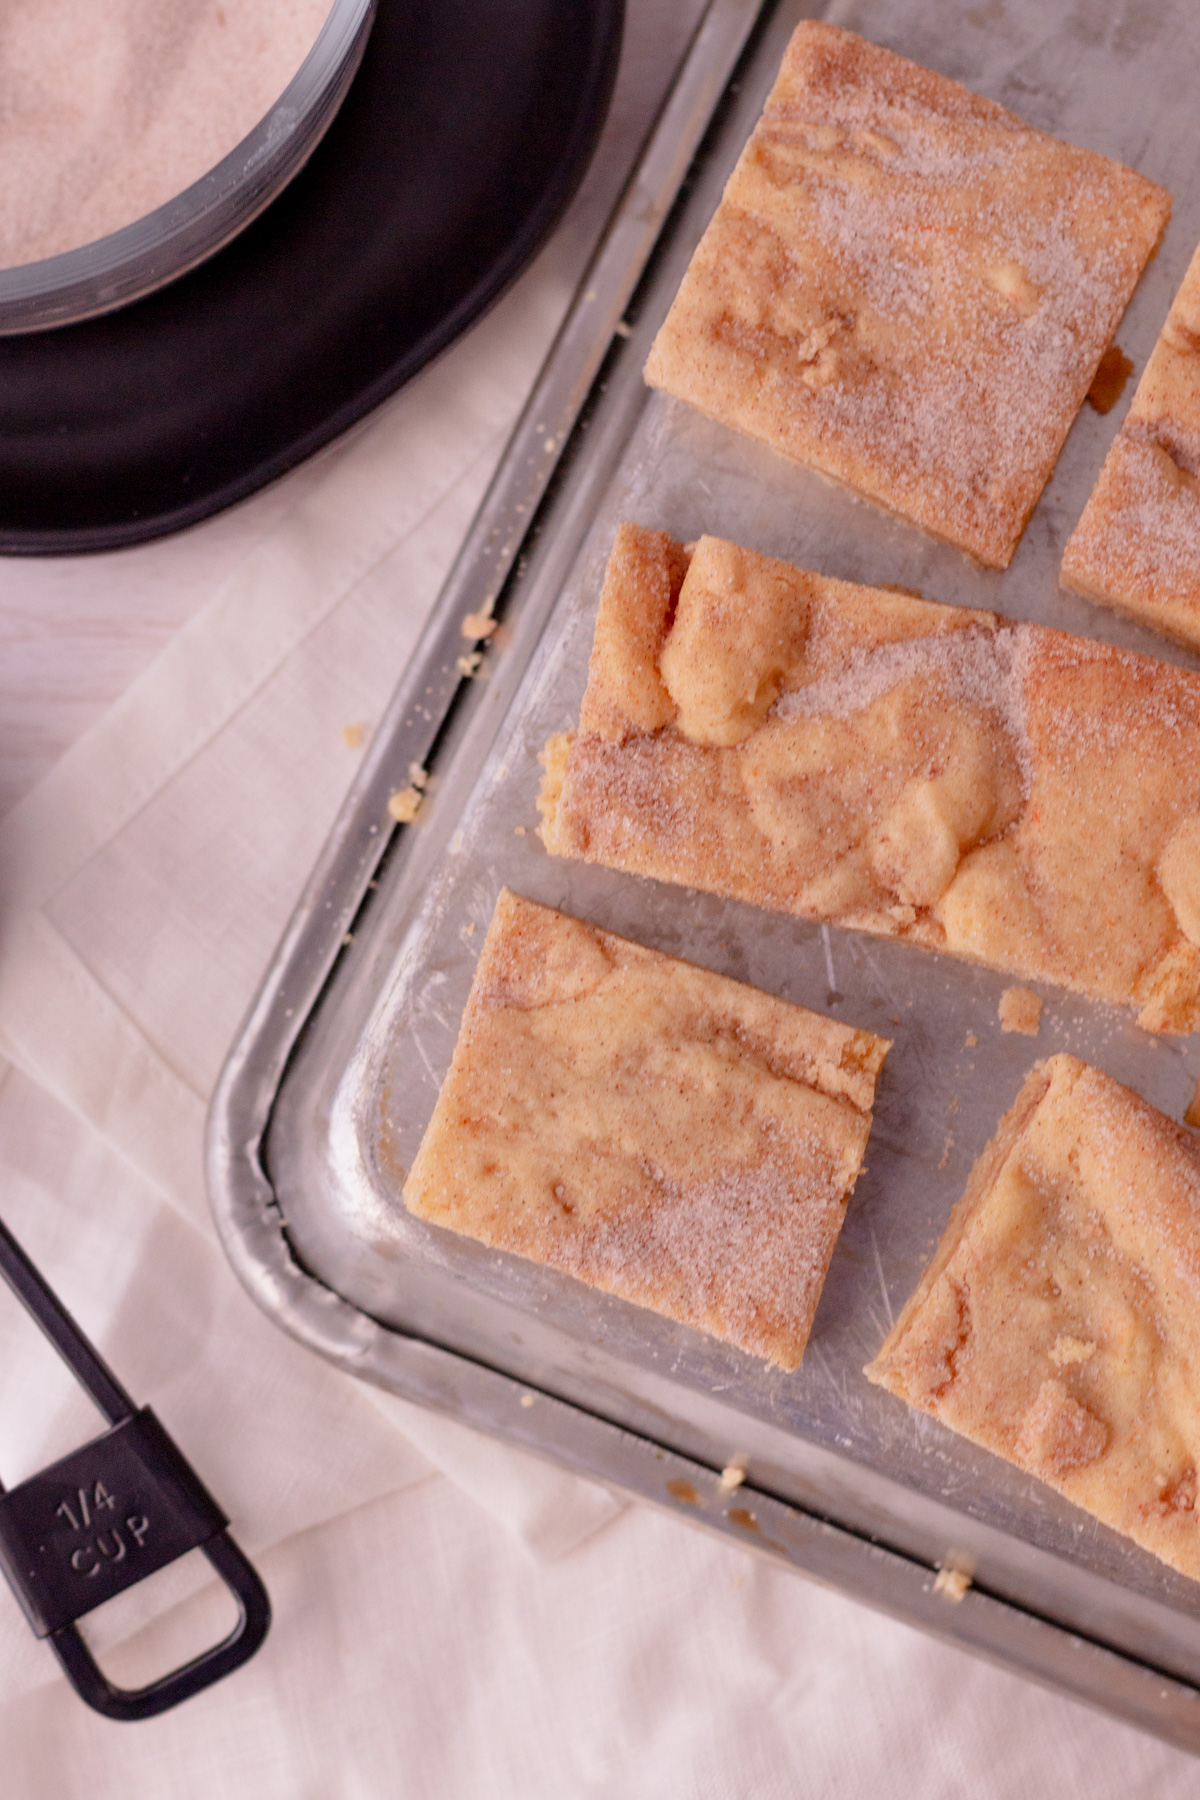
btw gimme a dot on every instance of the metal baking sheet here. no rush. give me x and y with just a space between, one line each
328 1091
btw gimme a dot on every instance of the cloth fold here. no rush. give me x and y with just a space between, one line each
217 776
419 1655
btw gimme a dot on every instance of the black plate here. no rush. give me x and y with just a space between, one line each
464 135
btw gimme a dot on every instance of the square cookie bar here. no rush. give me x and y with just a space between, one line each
907 288
1059 1321
1009 794
1137 546
663 1133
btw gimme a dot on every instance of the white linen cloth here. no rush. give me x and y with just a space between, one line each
451 1618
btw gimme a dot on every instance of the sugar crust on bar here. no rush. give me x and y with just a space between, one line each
908 288
1009 794
1137 545
669 1135
1058 1323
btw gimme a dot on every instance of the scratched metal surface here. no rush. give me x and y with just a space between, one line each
1118 79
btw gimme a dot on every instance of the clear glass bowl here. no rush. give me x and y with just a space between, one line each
165 243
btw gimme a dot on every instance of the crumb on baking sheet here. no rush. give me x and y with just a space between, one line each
468 665
684 1491
1192 1115
972 1040
1020 1010
951 1583
1108 383
733 1474
404 805
478 625
353 735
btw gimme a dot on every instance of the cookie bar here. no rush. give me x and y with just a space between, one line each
1059 1321
1137 546
908 289
1012 795
663 1133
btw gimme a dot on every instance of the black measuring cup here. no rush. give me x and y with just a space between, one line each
111 1513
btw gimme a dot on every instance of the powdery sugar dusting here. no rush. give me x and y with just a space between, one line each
1057 1324
627 789
109 108
987 788
985 406
648 1127
974 668
1137 545
1160 531
908 288
749 1248
1145 1171
1145 532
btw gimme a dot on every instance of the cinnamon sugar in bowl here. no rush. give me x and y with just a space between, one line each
138 136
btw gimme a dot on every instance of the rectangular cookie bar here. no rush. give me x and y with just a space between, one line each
1137 546
1059 1321
1012 795
663 1133
907 288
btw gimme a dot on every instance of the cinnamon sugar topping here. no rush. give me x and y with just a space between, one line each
650 1128
1137 546
1057 1324
1007 793
908 288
